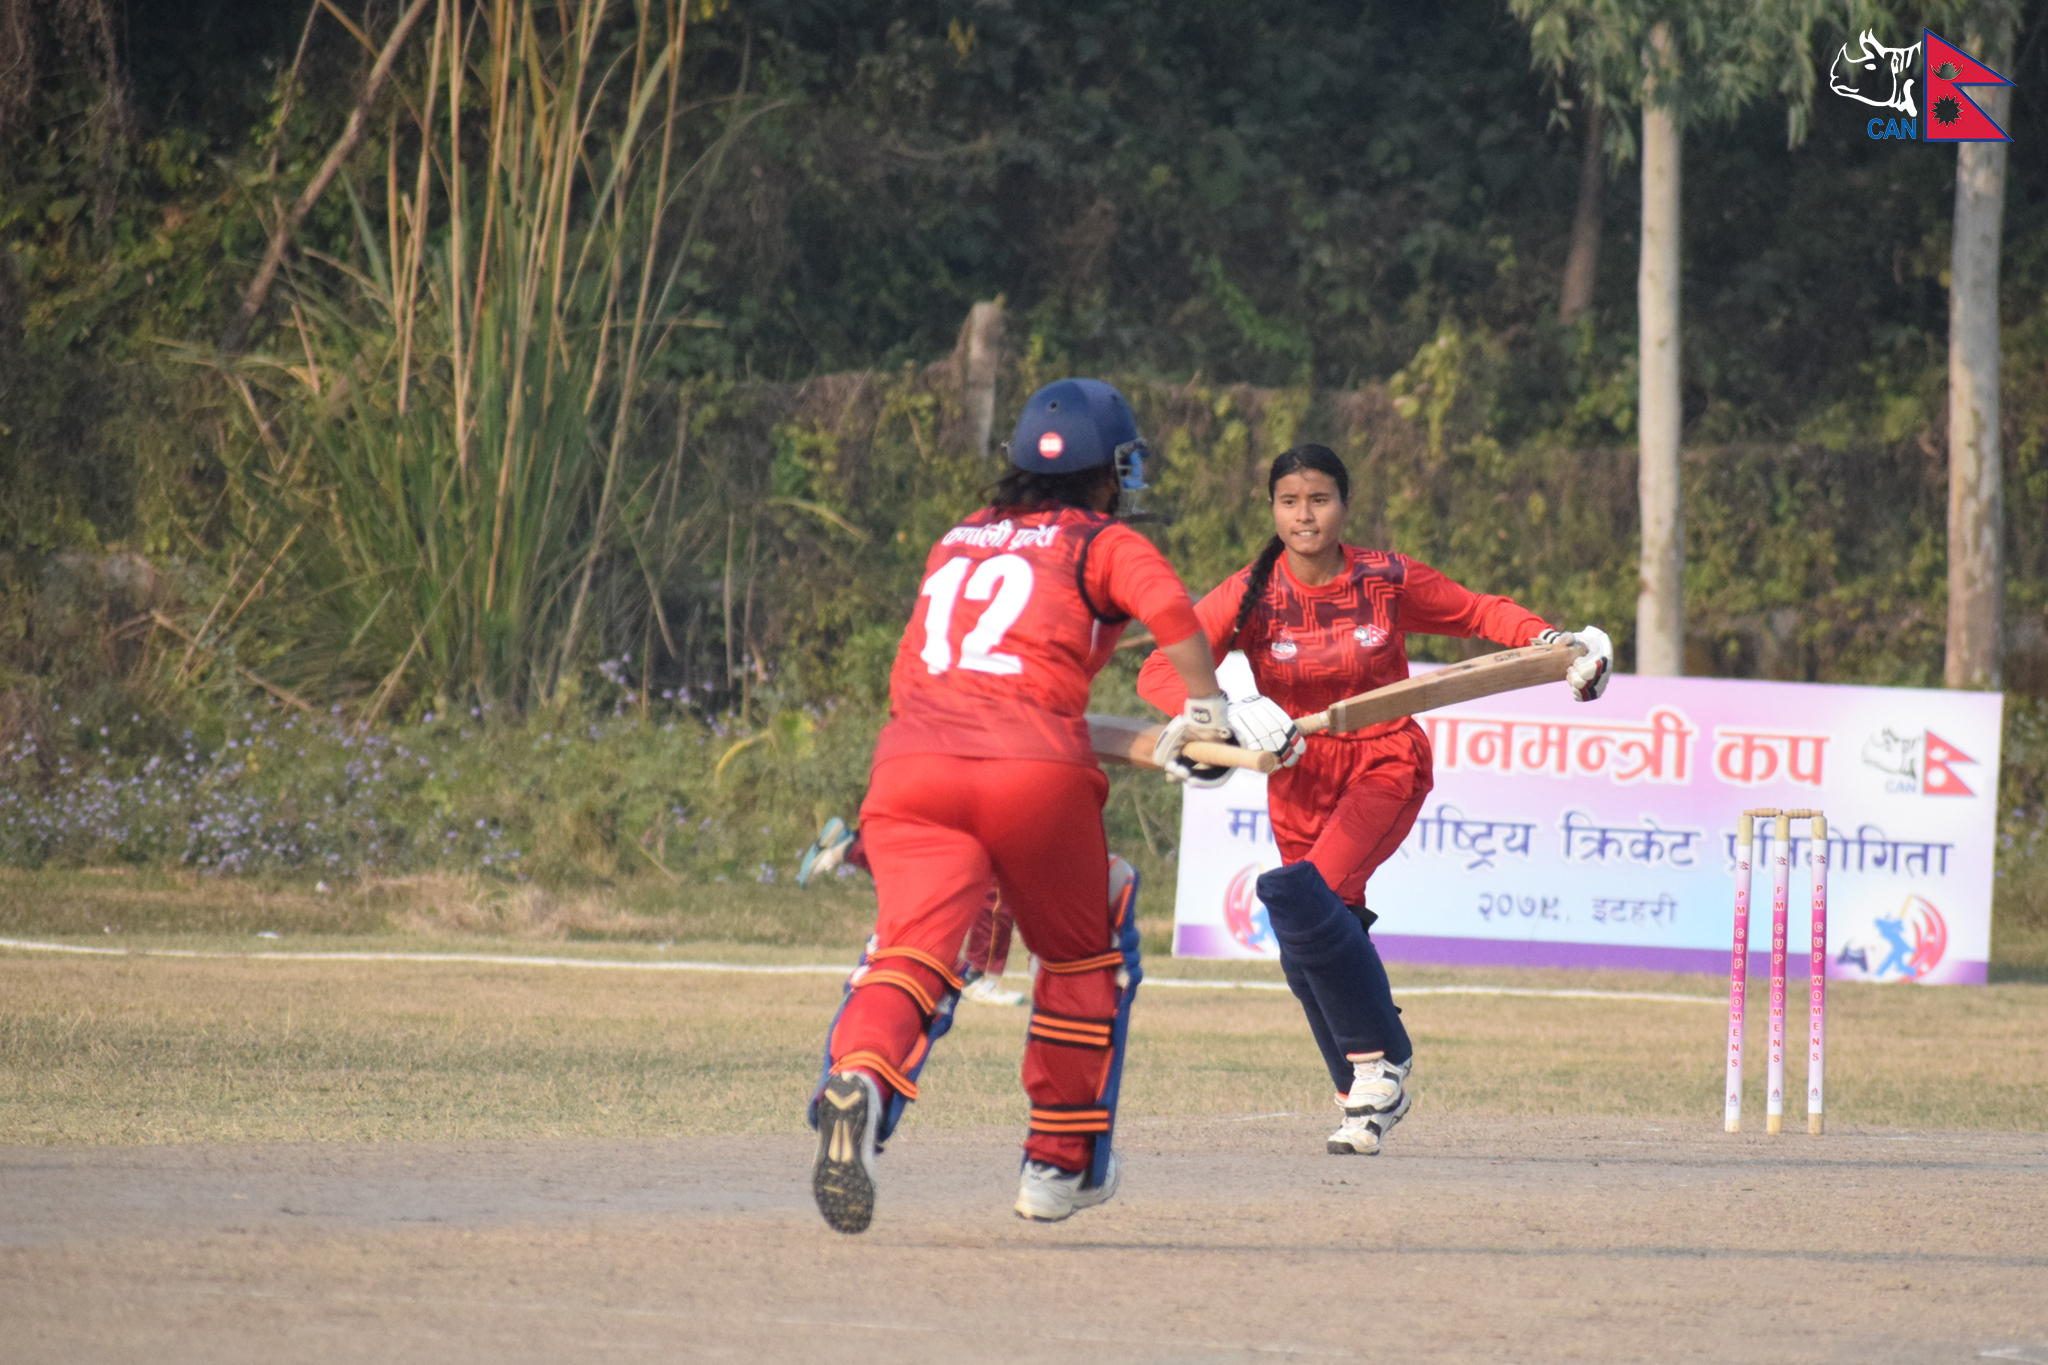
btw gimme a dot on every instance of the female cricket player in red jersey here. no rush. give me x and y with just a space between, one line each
1319 620
984 771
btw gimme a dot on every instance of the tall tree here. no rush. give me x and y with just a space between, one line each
1976 509
1660 407
1681 63
1582 262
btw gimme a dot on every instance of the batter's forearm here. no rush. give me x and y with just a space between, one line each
1191 660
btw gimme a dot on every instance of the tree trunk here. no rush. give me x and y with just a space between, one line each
1976 511
1582 265
1660 608
981 347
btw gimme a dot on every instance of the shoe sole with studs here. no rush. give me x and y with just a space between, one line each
840 1181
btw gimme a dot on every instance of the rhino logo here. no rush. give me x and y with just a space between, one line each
1923 763
1898 755
1877 68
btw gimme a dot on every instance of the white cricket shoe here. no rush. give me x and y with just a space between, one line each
988 990
1378 1100
843 1180
1046 1194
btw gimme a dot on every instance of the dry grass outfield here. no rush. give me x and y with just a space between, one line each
145 903
141 1049
138 905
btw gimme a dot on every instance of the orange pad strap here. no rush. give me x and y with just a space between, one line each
1069 1119
1100 962
908 984
867 1060
1059 1028
922 958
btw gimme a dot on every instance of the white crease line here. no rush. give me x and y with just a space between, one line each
764 969
493 959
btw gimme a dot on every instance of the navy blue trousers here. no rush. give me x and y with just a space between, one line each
1333 970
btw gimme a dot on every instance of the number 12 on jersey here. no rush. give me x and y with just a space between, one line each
1006 578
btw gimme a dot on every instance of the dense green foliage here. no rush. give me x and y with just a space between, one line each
741 419
1304 195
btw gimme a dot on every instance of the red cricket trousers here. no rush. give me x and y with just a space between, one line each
938 828
988 938
1349 803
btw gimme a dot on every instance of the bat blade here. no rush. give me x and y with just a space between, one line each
1127 740
1507 671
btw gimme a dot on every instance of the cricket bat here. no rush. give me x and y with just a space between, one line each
1126 739
1507 671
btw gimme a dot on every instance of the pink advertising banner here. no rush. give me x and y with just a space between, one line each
1602 834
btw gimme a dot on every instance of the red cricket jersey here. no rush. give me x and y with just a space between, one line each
1018 613
1309 647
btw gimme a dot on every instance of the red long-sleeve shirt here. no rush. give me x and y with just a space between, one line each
1311 646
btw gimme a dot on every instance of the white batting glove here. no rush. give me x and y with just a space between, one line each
1257 723
1587 677
1202 718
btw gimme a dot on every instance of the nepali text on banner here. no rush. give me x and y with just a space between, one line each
1602 834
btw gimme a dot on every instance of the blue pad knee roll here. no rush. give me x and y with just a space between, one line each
1330 960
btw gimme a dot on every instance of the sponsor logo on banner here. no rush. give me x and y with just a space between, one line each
1907 946
1922 763
1244 914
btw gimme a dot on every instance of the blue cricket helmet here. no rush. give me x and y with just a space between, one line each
1076 424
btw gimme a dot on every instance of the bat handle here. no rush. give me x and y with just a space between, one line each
1229 756
1313 725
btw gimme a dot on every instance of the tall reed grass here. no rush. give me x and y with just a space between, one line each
447 455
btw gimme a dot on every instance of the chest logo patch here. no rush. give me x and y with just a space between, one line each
1284 647
1370 636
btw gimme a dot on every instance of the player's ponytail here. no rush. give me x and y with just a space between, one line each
1255 586
1322 460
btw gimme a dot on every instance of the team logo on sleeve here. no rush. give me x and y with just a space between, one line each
1370 636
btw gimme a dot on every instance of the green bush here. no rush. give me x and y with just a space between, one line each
642 791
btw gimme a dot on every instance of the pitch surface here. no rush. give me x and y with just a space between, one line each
1233 1239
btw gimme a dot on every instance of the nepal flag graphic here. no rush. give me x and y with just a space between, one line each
1937 778
1952 116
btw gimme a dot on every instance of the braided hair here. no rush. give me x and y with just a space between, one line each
1321 460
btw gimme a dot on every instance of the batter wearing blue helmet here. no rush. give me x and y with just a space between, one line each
984 773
